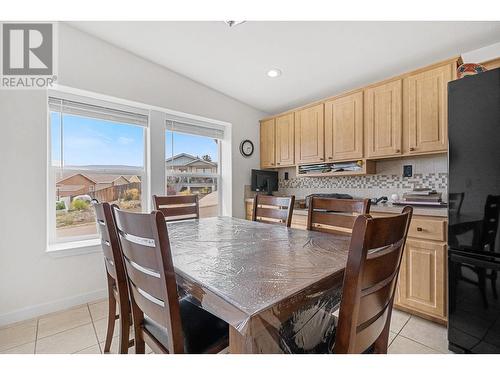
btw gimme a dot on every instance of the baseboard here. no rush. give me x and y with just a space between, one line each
49 307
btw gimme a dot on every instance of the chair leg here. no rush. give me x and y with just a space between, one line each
111 322
481 276
493 278
124 329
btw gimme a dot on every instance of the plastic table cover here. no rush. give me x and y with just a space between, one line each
278 286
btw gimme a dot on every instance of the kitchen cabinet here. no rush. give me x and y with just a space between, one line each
383 119
309 135
285 140
422 283
425 109
422 286
267 144
344 128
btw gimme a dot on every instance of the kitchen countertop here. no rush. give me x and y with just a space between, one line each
387 208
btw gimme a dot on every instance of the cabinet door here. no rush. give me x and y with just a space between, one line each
425 109
309 135
267 142
422 277
344 128
383 119
285 146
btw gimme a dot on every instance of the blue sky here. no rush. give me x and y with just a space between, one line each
96 142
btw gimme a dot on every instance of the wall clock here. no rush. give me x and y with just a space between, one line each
246 148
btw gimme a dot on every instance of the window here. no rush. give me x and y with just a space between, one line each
95 152
193 164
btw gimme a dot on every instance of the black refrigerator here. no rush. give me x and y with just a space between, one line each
474 207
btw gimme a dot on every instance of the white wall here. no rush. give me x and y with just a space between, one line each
31 281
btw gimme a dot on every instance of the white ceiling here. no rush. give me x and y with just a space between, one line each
318 59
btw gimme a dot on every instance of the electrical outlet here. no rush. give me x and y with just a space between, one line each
407 170
286 176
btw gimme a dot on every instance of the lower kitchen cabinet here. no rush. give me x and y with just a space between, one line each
422 285
422 278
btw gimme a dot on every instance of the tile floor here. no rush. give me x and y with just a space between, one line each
82 330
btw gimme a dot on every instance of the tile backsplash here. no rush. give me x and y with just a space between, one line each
428 171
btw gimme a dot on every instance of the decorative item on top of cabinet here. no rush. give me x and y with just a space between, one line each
425 109
309 135
344 127
267 144
383 119
285 140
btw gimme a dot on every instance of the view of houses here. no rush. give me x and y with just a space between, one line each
75 190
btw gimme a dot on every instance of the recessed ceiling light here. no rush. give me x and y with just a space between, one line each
274 73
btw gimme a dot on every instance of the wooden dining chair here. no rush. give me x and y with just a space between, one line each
370 278
117 281
273 210
367 296
178 207
162 320
334 215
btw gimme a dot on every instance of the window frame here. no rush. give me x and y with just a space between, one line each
53 242
155 181
218 175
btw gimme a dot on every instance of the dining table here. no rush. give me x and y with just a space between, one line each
278 288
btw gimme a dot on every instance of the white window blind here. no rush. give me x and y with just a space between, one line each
94 111
194 129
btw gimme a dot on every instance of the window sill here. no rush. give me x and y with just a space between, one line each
74 248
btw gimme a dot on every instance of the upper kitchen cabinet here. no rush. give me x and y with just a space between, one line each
309 135
267 144
425 109
285 140
344 127
383 119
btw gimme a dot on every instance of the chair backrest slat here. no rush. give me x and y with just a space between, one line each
273 210
111 250
150 273
178 207
370 279
332 214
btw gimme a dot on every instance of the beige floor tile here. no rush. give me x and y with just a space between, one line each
17 334
101 326
69 341
398 320
61 321
99 310
426 332
402 345
392 336
28 348
92 350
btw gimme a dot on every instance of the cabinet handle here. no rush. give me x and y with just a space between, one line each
398 150
419 229
277 163
321 158
330 158
412 148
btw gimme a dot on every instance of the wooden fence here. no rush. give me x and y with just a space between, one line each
114 193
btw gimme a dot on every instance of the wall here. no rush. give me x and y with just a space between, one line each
428 171
32 282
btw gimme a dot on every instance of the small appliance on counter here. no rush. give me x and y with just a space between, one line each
375 201
327 195
264 181
422 197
